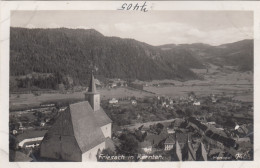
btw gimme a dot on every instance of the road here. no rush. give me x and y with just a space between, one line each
147 124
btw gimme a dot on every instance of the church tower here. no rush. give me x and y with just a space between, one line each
92 96
188 153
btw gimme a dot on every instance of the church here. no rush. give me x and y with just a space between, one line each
80 132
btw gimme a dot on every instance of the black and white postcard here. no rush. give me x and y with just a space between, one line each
120 82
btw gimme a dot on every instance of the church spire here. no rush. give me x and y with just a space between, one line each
92 96
92 85
201 154
188 151
177 154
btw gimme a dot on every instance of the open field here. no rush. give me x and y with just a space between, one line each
216 81
244 93
239 85
30 100
146 124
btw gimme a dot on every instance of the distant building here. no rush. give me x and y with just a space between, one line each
113 85
169 143
156 139
245 139
138 116
62 109
134 102
30 138
146 146
14 132
170 101
80 132
211 123
42 124
196 103
214 100
113 101
21 127
177 123
170 131
163 103
182 139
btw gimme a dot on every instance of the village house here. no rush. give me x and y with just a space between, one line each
42 123
196 103
113 101
170 130
14 132
133 102
30 138
146 146
80 132
177 123
241 131
181 138
156 139
169 143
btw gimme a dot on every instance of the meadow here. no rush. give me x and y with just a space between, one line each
215 81
24 101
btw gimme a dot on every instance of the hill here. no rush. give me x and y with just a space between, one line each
238 54
44 58
74 52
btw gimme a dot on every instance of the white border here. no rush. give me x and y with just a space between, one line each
7 6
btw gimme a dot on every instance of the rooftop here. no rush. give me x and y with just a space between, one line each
31 134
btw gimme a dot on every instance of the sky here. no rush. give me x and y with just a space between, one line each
152 27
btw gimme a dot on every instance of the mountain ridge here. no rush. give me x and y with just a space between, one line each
75 52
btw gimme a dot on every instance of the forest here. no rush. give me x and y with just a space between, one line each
75 53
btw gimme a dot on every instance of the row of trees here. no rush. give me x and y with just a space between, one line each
40 82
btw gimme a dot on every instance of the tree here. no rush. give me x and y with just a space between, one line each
139 135
129 144
188 112
159 128
191 94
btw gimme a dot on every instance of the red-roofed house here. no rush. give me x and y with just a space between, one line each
80 132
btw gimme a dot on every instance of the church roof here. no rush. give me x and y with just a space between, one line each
170 140
201 154
102 118
31 134
188 152
110 144
21 157
85 125
181 137
92 85
76 122
177 152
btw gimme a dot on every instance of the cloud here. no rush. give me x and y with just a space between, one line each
124 27
103 28
82 27
229 35
30 26
53 25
